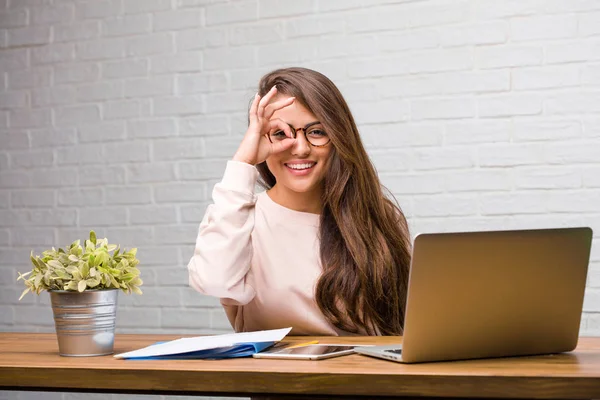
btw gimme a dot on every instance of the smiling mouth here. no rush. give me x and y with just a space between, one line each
301 167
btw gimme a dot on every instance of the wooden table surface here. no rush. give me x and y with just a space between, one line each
30 361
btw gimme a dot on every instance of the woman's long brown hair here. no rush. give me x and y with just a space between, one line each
365 243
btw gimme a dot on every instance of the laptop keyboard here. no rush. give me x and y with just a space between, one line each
395 351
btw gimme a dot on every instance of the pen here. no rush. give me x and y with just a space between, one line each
303 344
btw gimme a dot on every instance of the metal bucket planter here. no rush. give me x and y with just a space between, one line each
85 322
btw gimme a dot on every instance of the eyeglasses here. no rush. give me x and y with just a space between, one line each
314 133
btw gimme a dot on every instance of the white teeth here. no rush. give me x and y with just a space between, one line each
300 166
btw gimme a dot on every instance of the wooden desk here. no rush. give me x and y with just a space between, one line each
30 361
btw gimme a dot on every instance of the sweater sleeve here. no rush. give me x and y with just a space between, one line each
223 251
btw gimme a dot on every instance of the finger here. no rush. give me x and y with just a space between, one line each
266 100
283 145
254 107
278 105
277 124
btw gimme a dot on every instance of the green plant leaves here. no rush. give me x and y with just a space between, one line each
40 264
84 269
24 292
55 264
62 274
114 282
79 268
93 282
136 290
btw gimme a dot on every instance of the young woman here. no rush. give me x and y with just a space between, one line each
322 250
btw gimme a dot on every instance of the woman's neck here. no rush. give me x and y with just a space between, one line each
309 202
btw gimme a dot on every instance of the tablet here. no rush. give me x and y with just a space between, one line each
309 352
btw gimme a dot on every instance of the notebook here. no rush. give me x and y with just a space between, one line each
492 294
229 345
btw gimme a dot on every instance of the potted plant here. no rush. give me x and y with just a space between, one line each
83 283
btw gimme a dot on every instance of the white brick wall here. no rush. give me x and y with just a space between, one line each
119 115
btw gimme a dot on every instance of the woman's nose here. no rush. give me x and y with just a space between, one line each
301 147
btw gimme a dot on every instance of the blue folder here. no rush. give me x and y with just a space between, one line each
235 351
229 345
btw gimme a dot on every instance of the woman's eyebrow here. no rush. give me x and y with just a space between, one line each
311 124
305 126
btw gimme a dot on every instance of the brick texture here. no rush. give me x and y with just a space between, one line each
119 115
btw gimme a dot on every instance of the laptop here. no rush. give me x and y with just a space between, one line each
492 294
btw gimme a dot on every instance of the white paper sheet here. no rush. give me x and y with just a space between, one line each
185 345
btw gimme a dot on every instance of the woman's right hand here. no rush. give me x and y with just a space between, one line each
256 146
